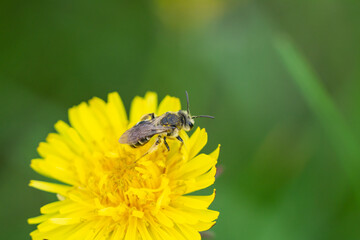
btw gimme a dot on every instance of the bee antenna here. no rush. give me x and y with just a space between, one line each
204 116
187 102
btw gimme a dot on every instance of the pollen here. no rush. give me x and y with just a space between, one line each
105 193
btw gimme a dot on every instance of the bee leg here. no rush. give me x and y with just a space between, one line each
182 142
180 139
151 149
147 116
166 144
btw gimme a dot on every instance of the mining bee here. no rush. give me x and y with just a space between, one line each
168 125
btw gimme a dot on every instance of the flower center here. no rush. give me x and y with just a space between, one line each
125 188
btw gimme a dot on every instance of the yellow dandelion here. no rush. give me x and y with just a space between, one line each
105 195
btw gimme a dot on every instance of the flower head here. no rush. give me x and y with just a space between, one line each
105 194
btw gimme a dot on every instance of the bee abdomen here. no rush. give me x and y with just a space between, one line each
141 142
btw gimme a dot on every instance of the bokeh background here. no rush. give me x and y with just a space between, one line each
281 77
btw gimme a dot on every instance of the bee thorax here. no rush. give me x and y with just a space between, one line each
170 119
174 133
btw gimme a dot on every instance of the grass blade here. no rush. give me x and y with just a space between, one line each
345 144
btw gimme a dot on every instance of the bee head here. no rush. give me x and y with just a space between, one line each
188 120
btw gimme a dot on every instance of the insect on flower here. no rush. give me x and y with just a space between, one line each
103 196
167 125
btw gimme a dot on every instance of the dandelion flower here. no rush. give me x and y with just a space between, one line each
104 195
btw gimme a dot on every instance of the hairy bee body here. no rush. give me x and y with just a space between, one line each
168 125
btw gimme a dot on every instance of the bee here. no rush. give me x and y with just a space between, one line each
168 125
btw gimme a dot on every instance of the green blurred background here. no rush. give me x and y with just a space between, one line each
281 77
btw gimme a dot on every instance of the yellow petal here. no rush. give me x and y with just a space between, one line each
39 219
76 122
116 113
202 181
98 107
50 187
179 216
118 233
72 207
103 234
47 226
99 230
59 144
144 232
141 106
65 221
36 166
46 149
204 215
174 232
53 207
196 142
189 232
82 198
54 171
82 167
71 137
160 232
215 153
138 214
197 202
85 123
53 232
137 109
81 231
163 219
151 102
169 104
131 232
204 226
197 166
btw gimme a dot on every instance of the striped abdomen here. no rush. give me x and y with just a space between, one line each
141 142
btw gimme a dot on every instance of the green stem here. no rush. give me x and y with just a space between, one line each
346 145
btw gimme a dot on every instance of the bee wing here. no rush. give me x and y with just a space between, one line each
142 130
